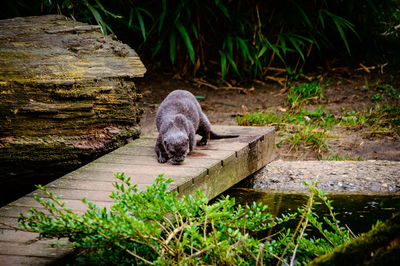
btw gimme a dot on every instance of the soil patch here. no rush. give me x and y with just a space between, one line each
358 91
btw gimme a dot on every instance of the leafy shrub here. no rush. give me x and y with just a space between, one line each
232 38
155 227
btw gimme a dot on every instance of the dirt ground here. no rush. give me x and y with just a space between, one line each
342 92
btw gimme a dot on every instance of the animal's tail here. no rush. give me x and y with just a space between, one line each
214 135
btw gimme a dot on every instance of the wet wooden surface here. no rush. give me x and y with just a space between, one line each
213 169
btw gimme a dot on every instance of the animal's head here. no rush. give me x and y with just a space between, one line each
176 146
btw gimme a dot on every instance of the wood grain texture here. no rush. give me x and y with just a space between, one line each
212 169
66 96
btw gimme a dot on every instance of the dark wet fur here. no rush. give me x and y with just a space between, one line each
178 119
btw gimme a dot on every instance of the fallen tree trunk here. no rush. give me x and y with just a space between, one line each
66 96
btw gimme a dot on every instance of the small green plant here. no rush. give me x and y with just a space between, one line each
318 117
309 136
337 157
257 119
303 93
377 97
364 87
353 119
379 119
157 227
312 132
390 91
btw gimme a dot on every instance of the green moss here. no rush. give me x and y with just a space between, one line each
380 246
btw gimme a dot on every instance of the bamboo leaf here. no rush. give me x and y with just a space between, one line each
275 49
222 7
262 51
187 41
195 32
141 23
172 47
303 38
304 15
233 64
341 32
243 48
338 21
106 11
146 12
130 18
162 15
321 19
229 44
223 64
283 44
104 27
157 47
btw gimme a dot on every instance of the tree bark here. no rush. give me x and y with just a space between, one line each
66 96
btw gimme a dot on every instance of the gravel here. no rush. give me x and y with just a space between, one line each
334 177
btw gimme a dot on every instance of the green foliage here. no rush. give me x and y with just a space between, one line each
156 227
379 119
231 38
309 136
390 91
258 119
309 128
337 157
318 117
303 93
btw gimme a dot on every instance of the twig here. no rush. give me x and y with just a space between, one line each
230 87
300 236
175 232
276 257
250 253
309 203
351 232
260 254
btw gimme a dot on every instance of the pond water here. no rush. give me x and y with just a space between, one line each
359 212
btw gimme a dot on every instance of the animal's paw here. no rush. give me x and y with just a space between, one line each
202 142
162 159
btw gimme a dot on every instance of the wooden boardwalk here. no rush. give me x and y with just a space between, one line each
213 169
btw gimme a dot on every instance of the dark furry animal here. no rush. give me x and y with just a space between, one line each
178 119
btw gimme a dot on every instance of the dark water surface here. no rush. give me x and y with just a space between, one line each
359 212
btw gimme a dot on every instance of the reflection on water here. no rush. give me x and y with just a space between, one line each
359 212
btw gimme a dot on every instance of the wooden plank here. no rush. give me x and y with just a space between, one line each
75 194
212 169
74 204
233 169
10 235
39 249
8 223
12 260
199 160
146 172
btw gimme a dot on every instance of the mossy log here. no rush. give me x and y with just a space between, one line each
66 95
380 246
